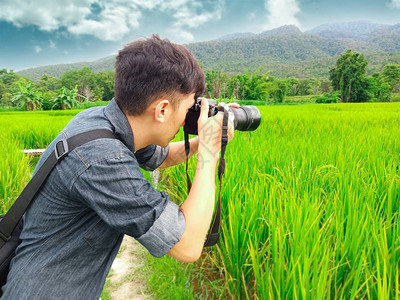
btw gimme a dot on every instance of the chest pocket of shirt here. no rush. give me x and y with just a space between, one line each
101 236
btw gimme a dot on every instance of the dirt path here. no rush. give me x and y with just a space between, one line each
126 280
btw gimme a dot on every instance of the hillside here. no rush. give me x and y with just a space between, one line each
285 51
100 65
351 30
234 56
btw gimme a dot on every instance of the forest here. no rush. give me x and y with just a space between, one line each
347 82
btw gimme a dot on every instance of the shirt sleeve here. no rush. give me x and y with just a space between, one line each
151 157
117 191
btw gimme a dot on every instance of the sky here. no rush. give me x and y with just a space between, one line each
42 32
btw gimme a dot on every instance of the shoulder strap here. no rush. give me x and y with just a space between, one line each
62 148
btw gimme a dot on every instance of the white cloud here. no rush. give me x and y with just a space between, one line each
282 12
114 22
394 4
180 34
189 14
47 15
52 44
251 15
37 49
146 4
113 19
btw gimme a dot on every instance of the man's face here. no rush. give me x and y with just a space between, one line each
178 115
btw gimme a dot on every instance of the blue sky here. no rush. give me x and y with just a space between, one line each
42 32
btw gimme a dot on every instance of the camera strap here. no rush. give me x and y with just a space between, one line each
214 233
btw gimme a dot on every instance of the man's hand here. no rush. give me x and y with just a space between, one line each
199 205
231 129
210 130
176 154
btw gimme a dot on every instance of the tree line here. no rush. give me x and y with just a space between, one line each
347 82
66 92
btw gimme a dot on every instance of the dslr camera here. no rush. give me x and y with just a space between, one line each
244 118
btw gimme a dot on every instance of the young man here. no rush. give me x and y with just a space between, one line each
96 194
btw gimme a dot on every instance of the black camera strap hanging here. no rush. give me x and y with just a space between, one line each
214 233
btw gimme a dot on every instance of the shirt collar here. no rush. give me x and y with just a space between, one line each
122 128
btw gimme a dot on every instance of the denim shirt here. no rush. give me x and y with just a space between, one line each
96 194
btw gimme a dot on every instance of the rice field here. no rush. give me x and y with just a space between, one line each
311 204
311 208
24 130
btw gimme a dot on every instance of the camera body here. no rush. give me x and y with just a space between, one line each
244 118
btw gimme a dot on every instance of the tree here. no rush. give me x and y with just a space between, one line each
282 88
326 86
379 88
310 86
349 75
48 83
8 84
66 98
91 85
3 90
83 78
234 87
251 86
294 85
104 81
8 77
391 75
28 97
216 83
98 93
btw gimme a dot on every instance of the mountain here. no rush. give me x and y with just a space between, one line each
100 65
285 48
235 36
285 51
388 39
277 49
352 30
283 30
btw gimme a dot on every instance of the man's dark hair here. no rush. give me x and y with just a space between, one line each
148 69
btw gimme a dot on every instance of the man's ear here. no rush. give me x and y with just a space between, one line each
160 110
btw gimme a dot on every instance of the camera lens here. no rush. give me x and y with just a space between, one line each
247 118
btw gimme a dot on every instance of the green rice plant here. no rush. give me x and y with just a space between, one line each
311 205
14 172
19 131
34 129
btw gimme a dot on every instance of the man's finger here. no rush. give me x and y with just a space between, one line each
204 109
234 105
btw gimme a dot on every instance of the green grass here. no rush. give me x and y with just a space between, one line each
34 129
24 130
85 105
311 207
301 99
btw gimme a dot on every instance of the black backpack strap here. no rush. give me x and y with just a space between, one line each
62 148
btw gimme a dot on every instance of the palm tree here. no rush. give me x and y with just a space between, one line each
27 97
66 98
